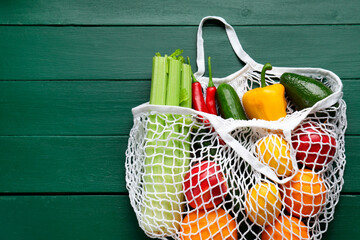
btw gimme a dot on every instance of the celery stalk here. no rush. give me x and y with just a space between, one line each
159 81
172 161
164 165
154 190
185 91
186 101
173 87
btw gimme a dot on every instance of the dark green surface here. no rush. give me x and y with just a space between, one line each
70 72
62 164
111 218
172 12
69 107
68 217
72 52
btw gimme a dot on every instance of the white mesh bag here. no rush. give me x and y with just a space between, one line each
193 175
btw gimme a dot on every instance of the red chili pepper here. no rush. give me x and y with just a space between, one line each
197 95
198 98
199 103
210 98
210 93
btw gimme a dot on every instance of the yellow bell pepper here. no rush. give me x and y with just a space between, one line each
265 102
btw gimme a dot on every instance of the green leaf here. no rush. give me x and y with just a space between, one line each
184 95
177 53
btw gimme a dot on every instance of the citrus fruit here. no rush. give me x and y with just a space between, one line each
202 224
263 203
305 194
274 151
286 228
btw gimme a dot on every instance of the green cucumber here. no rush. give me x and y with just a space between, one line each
303 91
229 102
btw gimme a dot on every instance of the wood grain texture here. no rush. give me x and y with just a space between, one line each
70 72
85 53
94 107
352 168
92 164
68 217
345 218
62 164
186 12
112 218
69 107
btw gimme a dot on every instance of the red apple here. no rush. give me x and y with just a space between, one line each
313 146
204 185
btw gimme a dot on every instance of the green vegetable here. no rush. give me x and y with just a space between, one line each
166 160
303 91
185 90
186 101
229 102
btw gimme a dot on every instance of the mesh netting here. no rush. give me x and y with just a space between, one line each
186 180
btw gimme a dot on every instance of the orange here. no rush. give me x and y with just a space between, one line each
286 228
274 151
204 224
263 203
305 194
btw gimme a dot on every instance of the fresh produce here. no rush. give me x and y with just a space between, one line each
265 102
164 173
286 228
216 224
304 91
313 146
274 151
199 103
197 96
205 185
211 93
210 105
169 182
186 86
305 194
263 203
229 102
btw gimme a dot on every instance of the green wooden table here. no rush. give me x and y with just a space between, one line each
70 72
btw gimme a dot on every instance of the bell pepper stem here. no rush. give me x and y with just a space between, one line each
211 84
267 66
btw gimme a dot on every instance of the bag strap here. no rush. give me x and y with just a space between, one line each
224 129
234 41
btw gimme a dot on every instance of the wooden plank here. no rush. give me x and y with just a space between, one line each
50 53
111 217
69 108
346 218
184 12
68 217
62 164
94 107
352 168
350 89
91 164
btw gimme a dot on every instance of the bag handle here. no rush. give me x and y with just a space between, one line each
224 128
234 41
